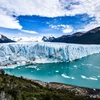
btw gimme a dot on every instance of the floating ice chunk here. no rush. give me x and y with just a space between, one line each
32 66
89 78
65 76
72 78
57 71
98 75
31 71
84 77
38 69
93 78
75 66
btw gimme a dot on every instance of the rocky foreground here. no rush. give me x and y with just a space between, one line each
79 91
14 88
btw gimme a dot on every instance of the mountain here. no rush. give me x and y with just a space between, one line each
4 39
33 39
47 39
89 37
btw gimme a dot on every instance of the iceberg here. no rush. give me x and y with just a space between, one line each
22 53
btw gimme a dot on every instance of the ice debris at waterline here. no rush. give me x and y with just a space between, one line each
26 53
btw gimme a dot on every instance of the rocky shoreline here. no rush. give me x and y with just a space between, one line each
80 91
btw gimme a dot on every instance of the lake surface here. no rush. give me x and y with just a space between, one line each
83 72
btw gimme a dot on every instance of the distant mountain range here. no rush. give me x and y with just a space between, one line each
33 39
4 39
89 37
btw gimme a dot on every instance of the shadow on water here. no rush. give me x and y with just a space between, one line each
83 72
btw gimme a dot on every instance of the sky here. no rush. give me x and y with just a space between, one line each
29 18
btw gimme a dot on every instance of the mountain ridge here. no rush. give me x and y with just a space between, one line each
89 37
4 39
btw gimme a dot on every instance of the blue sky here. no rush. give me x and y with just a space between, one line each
54 17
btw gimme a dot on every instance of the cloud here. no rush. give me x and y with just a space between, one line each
28 31
68 29
61 26
65 28
89 26
51 8
57 27
8 21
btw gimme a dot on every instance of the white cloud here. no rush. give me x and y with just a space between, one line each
68 29
51 8
65 28
28 31
54 27
8 21
92 25
61 26
89 26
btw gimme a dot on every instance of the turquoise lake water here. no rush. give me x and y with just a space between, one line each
84 72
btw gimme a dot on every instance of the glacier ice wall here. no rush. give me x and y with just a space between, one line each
26 53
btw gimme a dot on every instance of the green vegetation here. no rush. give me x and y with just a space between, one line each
14 88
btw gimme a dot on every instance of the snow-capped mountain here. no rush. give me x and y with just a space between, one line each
4 39
47 39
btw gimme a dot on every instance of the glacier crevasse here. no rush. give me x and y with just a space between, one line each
26 53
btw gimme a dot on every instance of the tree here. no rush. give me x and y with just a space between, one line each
2 72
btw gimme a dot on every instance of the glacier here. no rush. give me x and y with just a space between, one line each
23 53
